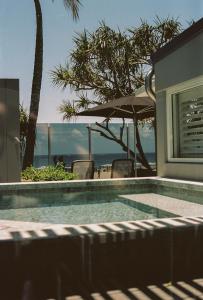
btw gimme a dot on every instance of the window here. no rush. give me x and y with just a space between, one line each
186 125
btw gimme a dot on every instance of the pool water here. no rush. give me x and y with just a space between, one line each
75 208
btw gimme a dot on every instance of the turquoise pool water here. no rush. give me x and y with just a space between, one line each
74 208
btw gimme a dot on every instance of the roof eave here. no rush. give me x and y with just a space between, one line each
183 38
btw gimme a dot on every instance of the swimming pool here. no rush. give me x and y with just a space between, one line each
99 201
59 207
136 252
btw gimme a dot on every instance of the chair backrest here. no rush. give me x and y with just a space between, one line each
122 168
83 168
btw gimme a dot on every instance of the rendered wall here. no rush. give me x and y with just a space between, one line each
9 131
183 64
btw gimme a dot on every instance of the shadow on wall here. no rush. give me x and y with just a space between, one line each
82 261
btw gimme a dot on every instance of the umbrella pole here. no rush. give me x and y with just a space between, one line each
127 135
135 142
49 144
89 141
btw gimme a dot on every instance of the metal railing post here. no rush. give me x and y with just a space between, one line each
49 144
89 141
127 136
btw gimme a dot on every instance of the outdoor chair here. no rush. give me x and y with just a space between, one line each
122 168
84 169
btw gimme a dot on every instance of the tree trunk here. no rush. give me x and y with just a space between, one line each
36 87
141 158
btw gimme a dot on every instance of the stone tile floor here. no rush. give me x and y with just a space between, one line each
18 225
169 204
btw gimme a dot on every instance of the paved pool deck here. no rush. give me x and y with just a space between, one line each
173 205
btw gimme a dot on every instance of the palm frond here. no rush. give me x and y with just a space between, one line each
83 102
68 110
60 76
73 6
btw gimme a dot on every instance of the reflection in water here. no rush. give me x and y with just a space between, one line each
75 208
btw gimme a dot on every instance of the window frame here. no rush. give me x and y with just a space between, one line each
170 92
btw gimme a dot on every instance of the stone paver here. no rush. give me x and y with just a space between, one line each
169 204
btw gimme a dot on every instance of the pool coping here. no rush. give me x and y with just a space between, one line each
99 182
73 183
117 230
17 232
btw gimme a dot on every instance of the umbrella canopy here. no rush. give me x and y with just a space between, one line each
124 107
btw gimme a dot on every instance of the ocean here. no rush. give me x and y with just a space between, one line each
99 159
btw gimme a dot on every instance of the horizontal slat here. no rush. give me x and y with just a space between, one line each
191 137
189 110
197 156
194 123
191 117
195 147
192 151
191 101
190 142
191 154
191 107
191 131
193 144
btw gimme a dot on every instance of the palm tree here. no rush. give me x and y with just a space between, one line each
73 6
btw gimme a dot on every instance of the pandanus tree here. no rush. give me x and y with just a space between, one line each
23 130
73 7
107 64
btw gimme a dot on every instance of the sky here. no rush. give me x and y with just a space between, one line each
17 38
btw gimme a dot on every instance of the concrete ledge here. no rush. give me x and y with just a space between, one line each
74 184
185 184
132 253
191 191
37 257
28 231
155 181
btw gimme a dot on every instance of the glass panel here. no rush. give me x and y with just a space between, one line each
41 146
65 143
105 150
68 142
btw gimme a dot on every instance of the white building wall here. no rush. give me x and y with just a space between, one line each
182 65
